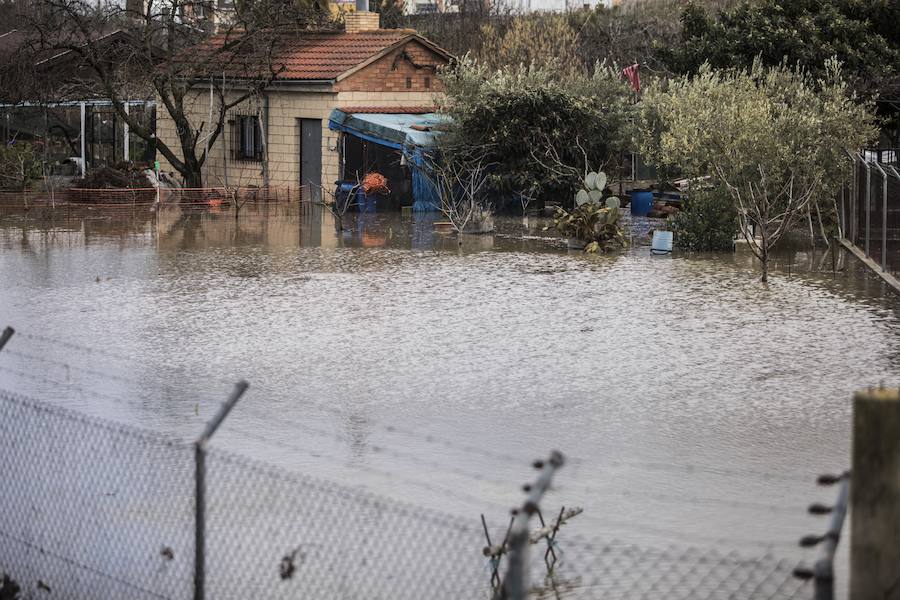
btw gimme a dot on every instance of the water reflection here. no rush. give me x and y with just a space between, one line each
506 342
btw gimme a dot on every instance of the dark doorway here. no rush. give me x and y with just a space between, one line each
311 158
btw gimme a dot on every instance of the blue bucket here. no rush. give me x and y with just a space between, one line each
641 202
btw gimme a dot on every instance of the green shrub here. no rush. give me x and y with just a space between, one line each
535 126
707 222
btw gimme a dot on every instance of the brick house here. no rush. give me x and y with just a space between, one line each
283 137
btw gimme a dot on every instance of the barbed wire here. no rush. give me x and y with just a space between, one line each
388 451
435 488
70 367
594 491
431 487
382 449
604 522
434 439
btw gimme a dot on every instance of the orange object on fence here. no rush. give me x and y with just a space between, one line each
375 183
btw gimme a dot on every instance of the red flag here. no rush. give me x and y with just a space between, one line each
634 76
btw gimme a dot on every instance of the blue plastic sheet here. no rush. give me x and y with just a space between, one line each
397 131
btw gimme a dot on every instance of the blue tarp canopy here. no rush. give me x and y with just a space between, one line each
405 132
392 130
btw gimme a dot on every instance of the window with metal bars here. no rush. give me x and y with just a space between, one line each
246 136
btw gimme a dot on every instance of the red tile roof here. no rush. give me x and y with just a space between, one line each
318 55
388 110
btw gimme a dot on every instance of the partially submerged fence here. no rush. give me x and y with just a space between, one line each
869 210
200 197
96 509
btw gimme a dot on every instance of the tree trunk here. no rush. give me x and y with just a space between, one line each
192 176
764 260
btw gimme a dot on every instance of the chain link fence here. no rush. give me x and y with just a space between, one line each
613 571
92 509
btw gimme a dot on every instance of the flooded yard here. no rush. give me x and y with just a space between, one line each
696 405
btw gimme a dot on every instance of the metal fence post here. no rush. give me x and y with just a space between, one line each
842 218
868 202
884 191
515 583
852 226
4 337
200 488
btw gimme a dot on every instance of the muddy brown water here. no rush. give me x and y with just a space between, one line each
697 406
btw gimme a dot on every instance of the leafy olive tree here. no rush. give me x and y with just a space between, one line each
526 120
772 137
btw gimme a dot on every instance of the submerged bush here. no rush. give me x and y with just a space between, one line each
534 126
707 222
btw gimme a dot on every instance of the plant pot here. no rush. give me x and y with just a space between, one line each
576 243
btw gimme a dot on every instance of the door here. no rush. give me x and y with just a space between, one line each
311 158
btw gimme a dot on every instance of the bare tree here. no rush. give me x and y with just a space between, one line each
338 205
460 182
768 212
164 50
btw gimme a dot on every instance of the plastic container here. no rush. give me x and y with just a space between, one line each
662 242
367 203
641 202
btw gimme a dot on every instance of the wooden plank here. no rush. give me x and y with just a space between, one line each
889 279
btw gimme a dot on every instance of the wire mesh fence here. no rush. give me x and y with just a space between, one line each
214 197
95 509
90 508
872 201
621 571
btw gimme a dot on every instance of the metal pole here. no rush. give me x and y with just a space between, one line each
855 204
868 201
83 156
126 143
844 190
200 487
883 217
515 584
850 229
4 337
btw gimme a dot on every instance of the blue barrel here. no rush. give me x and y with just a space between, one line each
641 202
367 203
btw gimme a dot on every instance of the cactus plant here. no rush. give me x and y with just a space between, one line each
593 185
592 224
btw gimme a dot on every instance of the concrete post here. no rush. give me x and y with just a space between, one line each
875 496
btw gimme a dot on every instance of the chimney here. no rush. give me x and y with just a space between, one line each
362 19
